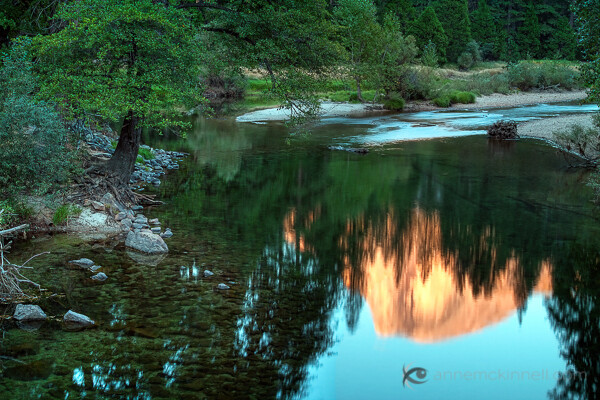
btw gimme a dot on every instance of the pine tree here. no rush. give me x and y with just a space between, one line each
482 28
402 10
529 33
428 28
454 16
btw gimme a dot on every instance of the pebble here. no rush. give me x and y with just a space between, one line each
83 262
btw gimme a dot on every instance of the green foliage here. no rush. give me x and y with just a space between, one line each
454 16
8 216
34 145
62 213
457 97
465 61
429 56
470 57
442 101
527 75
116 57
529 33
394 102
146 153
428 29
588 17
483 28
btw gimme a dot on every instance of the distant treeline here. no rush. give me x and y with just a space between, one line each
506 30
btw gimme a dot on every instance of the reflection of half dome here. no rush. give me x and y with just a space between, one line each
424 301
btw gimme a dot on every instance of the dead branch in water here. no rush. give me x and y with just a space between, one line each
11 277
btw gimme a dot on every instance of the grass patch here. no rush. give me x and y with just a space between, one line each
62 213
527 75
146 154
457 97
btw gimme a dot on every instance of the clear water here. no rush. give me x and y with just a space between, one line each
473 260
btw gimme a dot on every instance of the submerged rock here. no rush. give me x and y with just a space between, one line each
146 242
166 234
208 273
39 369
95 268
71 317
83 262
222 286
100 277
29 312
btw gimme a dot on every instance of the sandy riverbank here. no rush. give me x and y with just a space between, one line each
545 128
329 109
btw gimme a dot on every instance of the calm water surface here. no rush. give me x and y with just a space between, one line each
450 268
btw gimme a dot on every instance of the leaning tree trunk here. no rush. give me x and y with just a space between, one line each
122 163
359 91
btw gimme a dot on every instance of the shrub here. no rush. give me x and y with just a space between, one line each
582 141
394 102
442 101
62 213
430 58
34 151
465 61
8 216
463 97
527 75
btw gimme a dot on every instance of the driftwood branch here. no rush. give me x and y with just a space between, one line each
13 230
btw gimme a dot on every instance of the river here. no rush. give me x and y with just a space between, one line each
454 267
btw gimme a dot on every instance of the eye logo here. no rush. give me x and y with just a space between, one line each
419 376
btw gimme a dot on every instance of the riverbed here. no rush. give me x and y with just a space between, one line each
453 267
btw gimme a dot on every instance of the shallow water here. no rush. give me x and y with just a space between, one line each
471 259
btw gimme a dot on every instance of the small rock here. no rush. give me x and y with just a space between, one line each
126 224
95 268
83 262
156 229
120 216
222 286
138 225
141 220
146 242
166 234
100 276
98 206
154 221
29 312
75 318
208 273
137 208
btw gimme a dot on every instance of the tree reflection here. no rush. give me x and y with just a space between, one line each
574 312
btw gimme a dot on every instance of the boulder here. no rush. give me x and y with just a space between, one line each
146 242
29 312
71 317
83 262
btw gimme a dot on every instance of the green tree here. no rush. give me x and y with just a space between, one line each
588 19
428 29
529 33
361 36
454 16
128 60
403 10
483 28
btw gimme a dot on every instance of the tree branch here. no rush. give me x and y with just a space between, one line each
205 5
